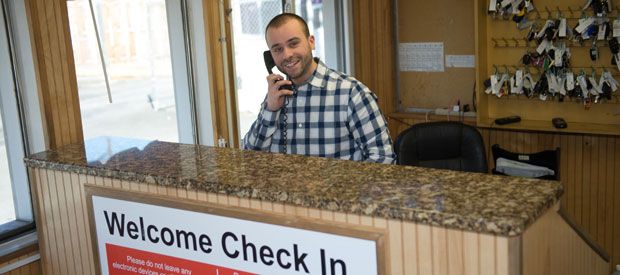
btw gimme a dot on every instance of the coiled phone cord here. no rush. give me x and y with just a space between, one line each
284 123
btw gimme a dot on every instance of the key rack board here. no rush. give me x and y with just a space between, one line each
500 45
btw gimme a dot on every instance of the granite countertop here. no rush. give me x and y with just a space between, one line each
474 202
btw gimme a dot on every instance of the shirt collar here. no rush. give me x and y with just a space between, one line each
318 78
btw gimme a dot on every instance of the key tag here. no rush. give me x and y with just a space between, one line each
503 85
495 77
544 87
595 89
562 28
492 6
605 86
519 82
559 55
602 31
531 34
593 51
612 81
570 82
541 86
529 6
553 84
583 84
528 84
562 84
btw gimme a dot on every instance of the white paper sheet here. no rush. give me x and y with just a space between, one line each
460 61
421 57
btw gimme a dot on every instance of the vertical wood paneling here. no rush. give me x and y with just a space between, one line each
579 183
55 69
425 253
86 245
594 183
616 220
36 178
373 35
58 260
440 250
395 244
72 227
410 252
487 259
471 250
455 251
602 186
609 196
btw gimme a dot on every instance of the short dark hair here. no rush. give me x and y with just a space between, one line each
282 18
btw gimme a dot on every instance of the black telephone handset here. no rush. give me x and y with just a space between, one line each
270 63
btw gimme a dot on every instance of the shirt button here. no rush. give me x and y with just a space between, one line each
300 125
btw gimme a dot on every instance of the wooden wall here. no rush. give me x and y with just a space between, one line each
589 170
55 70
373 35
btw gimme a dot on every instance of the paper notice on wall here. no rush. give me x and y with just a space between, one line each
460 61
421 57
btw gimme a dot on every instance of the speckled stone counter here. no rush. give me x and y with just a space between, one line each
474 202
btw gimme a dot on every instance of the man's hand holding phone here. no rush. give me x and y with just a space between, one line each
275 96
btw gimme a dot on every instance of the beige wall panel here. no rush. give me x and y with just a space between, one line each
471 250
487 257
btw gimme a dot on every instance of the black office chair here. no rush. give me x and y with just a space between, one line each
444 145
547 158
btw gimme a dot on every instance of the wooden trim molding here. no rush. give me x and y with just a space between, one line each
55 71
221 77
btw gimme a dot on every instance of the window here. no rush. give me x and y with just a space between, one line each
152 94
15 205
7 210
327 21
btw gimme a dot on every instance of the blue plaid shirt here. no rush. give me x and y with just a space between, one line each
331 115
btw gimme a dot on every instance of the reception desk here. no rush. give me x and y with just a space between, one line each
422 221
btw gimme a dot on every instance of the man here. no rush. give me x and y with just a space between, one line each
326 113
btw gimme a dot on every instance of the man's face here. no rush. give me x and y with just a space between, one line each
291 50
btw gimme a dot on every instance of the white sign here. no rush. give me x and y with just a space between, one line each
142 238
420 57
460 61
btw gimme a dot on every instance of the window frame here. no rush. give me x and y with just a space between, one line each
23 126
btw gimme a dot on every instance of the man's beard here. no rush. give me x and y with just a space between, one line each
304 63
